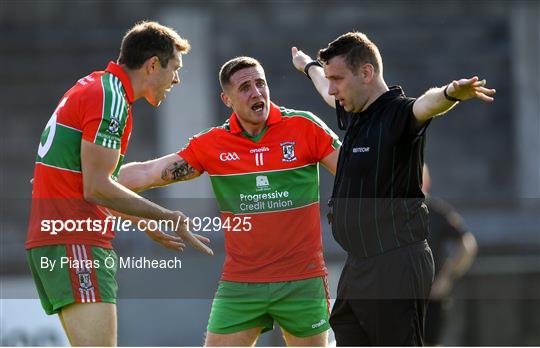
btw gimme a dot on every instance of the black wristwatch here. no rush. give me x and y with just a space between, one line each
309 65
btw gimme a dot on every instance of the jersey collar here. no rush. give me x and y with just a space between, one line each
274 116
117 71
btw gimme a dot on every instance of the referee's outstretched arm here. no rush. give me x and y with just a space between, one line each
437 101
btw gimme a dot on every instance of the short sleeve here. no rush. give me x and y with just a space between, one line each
105 113
402 120
192 153
325 140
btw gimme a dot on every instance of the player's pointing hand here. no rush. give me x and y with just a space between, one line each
195 240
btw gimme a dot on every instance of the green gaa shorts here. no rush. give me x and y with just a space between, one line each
300 307
66 274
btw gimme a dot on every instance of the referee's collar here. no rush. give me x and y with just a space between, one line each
117 71
274 116
392 93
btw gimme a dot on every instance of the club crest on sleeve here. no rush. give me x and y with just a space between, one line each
288 151
114 125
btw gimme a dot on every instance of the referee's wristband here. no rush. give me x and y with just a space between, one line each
448 97
309 65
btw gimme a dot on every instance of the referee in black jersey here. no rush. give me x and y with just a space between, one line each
377 208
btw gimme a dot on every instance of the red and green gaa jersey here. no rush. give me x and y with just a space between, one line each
96 109
273 181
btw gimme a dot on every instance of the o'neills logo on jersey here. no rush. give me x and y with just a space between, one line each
288 151
229 156
259 155
260 149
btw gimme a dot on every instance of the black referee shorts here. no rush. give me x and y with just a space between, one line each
381 300
435 320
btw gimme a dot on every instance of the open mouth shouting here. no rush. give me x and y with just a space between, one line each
258 107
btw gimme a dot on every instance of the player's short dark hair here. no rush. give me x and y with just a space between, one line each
357 50
148 39
234 65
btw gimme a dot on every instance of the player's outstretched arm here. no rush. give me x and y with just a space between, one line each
98 164
438 101
140 176
316 73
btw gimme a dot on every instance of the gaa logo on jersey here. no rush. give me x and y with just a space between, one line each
288 151
229 156
85 282
114 125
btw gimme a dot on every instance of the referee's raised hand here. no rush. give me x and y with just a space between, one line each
465 89
299 59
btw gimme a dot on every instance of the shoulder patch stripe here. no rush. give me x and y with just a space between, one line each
113 98
307 115
102 106
123 109
314 119
121 100
203 132
114 107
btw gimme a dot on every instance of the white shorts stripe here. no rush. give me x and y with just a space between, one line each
76 254
90 270
90 295
80 257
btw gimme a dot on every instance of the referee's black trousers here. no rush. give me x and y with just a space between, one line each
381 300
